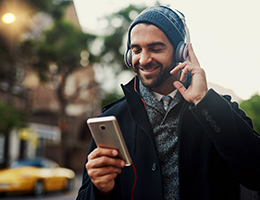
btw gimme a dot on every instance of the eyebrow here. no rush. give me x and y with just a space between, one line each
149 45
156 44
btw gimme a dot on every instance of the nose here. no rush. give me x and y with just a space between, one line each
145 58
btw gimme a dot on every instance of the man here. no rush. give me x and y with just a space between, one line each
201 147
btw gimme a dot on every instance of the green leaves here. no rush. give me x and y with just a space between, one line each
252 109
10 117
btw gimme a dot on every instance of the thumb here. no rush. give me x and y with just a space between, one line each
179 86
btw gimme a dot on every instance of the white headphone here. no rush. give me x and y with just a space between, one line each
181 52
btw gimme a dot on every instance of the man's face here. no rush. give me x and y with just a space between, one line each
152 56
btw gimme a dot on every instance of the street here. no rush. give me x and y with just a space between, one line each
71 195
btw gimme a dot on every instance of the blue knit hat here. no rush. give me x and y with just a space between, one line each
165 19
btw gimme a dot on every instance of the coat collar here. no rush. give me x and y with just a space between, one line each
136 104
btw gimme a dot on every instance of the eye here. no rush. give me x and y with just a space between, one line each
136 50
156 50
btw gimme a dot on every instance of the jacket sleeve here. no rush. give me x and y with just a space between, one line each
233 135
87 189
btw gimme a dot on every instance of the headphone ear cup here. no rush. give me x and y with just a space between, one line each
181 53
128 58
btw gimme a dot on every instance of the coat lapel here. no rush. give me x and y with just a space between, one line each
137 108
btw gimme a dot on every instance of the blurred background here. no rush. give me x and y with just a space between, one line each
62 60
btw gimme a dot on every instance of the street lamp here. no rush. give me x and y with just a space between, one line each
15 18
8 18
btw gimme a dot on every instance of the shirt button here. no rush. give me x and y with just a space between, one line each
154 167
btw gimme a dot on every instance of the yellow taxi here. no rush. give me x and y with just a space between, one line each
36 176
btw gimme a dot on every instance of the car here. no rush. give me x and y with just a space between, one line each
35 176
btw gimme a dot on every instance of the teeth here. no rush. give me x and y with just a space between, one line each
149 70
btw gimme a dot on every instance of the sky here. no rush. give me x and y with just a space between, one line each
225 35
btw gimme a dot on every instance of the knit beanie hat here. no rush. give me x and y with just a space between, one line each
165 19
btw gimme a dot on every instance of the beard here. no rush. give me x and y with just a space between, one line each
155 79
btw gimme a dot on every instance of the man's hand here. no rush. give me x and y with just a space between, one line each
198 88
103 166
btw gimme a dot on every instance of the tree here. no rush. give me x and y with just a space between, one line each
59 54
114 42
61 50
10 118
113 46
110 97
11 57
54 53
10 34
252 109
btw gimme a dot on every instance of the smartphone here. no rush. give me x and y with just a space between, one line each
107 134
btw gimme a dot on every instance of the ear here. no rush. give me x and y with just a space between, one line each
128 58
181 52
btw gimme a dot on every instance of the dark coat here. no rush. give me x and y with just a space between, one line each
218 149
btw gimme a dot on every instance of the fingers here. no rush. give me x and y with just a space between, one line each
103 166
103 178
102 152
106 171
179 87
198 86
105 184
101 157
193 58
187 66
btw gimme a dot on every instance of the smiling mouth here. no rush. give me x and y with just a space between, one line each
149 69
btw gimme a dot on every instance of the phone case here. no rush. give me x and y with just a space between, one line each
107 134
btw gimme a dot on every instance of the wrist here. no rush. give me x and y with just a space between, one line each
197 100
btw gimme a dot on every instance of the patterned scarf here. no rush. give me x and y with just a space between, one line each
165 130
